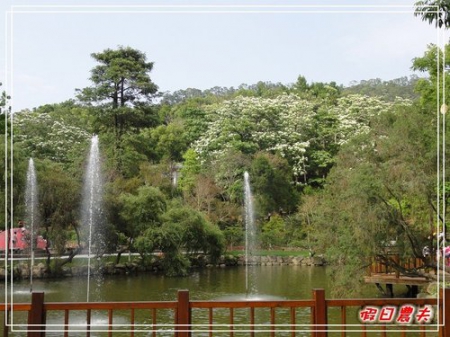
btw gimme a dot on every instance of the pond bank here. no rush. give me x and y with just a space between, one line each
39 270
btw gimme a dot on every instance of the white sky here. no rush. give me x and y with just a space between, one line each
48 54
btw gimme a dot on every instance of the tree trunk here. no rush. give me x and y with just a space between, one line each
120 252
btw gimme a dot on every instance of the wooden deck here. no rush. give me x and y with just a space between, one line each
392 278
385 275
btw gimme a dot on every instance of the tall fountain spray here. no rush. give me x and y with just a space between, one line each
250 233
92 204
31 203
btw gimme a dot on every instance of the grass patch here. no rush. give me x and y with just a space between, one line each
83 261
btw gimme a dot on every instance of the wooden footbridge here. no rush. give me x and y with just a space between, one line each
316 317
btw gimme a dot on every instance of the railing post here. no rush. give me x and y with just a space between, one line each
397 261
183 316
320 313
36 316
444 313
6 323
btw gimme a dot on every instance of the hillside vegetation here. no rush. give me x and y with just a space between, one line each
335 171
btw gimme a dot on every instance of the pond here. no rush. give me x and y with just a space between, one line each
271 282
284 282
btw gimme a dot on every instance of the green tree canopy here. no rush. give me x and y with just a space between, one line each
272 185
381 191
122 90
434 64
183 231
143 209
4 110
59 199
434 11
122 78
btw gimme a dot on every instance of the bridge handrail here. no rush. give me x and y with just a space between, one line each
183 311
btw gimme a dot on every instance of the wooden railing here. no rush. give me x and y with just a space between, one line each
380 267
319 317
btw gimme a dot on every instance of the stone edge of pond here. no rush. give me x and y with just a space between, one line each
22 269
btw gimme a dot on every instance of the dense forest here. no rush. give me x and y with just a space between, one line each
339 171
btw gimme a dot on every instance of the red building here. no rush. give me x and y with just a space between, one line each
18 240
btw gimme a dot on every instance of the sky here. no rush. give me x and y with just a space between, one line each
47 50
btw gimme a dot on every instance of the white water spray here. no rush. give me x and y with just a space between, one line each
92 203
31 203
250 233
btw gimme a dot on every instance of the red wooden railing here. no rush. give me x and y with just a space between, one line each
184 314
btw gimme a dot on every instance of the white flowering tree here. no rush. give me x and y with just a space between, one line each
253 124
46 137
354 113
307 133
336 124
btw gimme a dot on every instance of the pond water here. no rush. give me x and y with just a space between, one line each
284 282
271 282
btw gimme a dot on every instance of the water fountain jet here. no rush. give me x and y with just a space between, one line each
252 293
31 203
250 234
92 217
